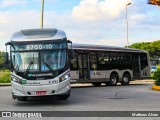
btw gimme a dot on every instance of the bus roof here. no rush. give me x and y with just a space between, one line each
38 34
105 48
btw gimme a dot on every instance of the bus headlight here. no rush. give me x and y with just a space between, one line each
19 81
64 77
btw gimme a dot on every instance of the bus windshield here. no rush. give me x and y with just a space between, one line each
54 59
39 57
22 60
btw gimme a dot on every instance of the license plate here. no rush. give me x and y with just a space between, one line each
41 93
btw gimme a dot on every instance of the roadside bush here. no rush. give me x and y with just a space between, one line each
156 77
5 76
152 75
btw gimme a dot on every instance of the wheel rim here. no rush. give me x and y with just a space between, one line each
114 80
125 79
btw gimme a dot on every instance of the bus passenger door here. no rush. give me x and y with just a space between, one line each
83 65
136 66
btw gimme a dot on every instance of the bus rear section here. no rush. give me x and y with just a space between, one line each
39 64
106 64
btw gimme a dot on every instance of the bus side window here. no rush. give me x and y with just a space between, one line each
125 59
103 58
143 59
93 60
114 58
74 61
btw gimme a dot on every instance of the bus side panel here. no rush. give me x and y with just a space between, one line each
17 89
106 74
145 66
95 74
74 74
145 73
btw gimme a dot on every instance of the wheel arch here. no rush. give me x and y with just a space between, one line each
126 72
115 73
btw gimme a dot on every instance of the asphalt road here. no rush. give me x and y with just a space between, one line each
135 97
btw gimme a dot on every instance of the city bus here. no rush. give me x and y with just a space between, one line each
107 64
39 61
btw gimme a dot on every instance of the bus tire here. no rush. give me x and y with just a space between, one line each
62 97
113 80
126 79
97 84
107 83
22 98
13 96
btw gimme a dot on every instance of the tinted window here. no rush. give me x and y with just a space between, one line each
114 58
103 58
74 61
93 60
144 60
126 58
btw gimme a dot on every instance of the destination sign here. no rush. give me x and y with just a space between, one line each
45 46
39 47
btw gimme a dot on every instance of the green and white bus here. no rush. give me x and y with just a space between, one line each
39 64
106 64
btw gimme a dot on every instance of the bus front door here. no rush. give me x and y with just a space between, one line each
83 66
136 67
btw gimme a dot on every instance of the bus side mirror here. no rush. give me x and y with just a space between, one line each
71 54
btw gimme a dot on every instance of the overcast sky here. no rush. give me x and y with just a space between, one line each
84 21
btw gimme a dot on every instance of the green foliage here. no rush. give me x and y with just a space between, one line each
156 77
152 75
153 48
5 76
3 66
1 60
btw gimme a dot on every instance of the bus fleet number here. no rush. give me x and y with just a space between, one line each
39 47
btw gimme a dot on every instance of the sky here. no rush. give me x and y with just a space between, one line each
101 22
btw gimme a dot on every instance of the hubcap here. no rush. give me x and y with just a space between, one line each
125 79
113 80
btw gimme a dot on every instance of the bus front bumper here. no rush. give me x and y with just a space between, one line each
62 88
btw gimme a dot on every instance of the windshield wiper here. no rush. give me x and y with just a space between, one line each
17 67
50 68
28 68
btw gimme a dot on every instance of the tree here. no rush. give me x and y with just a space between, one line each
153 48
1 60
3 66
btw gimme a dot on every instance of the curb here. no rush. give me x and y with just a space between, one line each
155 87
143 81
149 80
5 84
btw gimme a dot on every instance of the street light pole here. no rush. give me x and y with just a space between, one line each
127 23
42 14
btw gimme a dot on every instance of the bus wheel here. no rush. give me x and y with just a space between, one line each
97 83
13 96
22 98
107 83
62 97
126 79
113 80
